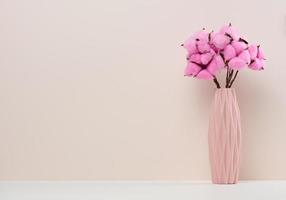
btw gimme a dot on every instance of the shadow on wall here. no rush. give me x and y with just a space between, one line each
252 94
249 94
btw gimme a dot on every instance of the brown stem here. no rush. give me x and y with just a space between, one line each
216 82
233 78
227 76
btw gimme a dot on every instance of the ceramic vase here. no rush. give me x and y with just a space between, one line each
224 137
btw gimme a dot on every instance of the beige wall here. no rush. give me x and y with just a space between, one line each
95 90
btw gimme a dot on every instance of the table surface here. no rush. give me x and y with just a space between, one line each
139 190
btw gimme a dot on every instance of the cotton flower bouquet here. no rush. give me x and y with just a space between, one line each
211 52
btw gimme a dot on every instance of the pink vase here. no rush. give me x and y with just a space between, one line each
224 137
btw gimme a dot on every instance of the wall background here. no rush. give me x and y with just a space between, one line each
95 90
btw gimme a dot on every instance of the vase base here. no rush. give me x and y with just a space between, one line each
224 183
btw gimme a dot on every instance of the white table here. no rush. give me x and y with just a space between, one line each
139 190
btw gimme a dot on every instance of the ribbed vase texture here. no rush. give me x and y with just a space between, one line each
225 137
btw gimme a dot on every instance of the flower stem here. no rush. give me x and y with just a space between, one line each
227 76
216 82
233 78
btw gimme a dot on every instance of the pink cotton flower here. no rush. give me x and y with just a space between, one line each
260 53
229 52
198 41
239 46
196 58
220 40
205 71
252 51
216 64
205 58
203 46
237 55
245 56
257 64
257 58
191 46
236 63
230 31
204 74
201 35
192 69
